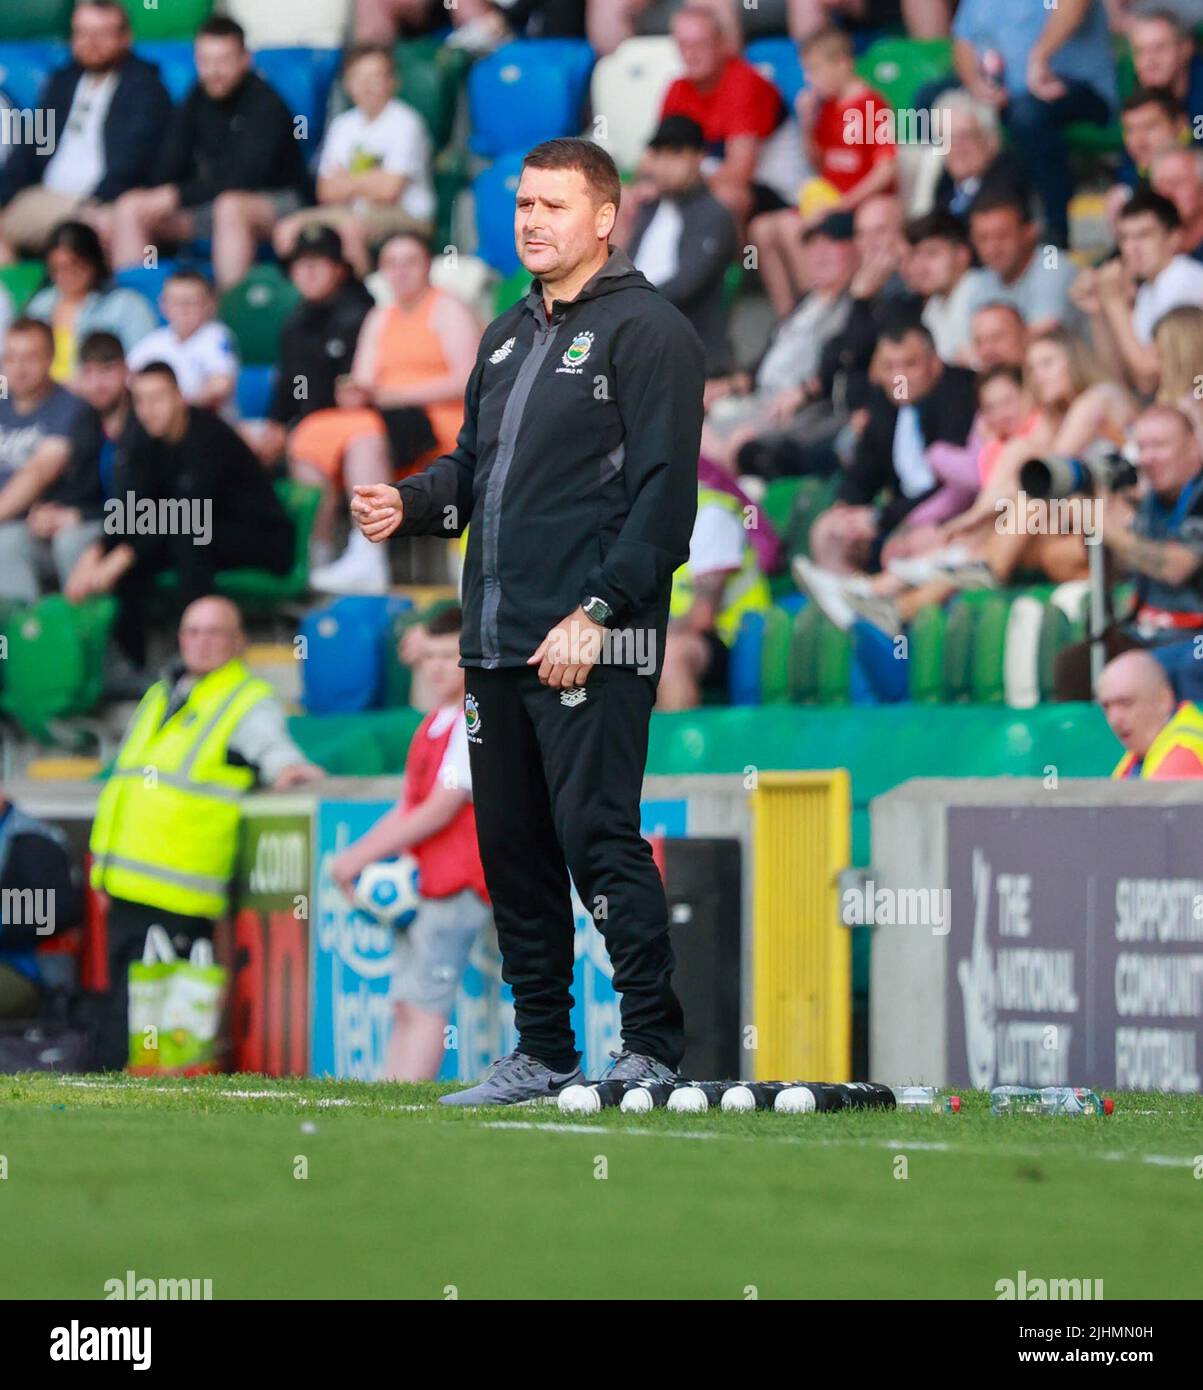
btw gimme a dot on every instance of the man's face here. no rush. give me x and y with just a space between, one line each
1176 177
1137 710
1147 129
406 267
157 404
187 306
909 369
1159 56
934 265
316 277
1168 453
557 227
71 275
99 40
210 635
103 384
673 171
970 149
830 263
371 82
1145 246
1003 240
700 46
27 359
221 64
440 665
997 338
877 227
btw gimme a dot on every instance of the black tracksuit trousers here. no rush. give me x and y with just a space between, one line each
556 787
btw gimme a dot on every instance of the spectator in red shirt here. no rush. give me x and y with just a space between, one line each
844 136
755 162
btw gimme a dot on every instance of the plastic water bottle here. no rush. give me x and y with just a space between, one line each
1048 1100
926 1098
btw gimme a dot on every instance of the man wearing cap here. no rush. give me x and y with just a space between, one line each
786 380
317 342
683 239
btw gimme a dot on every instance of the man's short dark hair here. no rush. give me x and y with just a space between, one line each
25 324
1161 97
898 327
446 622
159 369
997 199
220 26
1145 200
190 275
1003 305
404 234
1001 371
113 7
101 349
937 225
587 158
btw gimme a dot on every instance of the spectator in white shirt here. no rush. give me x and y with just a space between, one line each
198 349
939 267
1126 297
374 170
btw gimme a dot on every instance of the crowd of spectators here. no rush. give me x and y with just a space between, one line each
932 331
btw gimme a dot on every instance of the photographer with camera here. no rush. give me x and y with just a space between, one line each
1156 536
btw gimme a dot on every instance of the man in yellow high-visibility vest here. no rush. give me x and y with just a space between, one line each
1163 740
166 829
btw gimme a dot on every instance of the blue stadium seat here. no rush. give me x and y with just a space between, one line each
778 60
176 62
25 66
520 95
148 283
493 191
299 80
743 673
255 387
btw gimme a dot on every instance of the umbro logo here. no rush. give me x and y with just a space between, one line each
503 351
571 698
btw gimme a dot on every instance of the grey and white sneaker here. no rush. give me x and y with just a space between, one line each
634 1066
826 589
514 1079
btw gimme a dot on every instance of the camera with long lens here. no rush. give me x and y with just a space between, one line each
1102 468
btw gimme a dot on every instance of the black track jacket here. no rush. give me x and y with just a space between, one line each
577 466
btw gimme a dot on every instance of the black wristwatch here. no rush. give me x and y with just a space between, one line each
597 610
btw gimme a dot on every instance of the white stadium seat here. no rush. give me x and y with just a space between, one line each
628 87
1021 659
292 23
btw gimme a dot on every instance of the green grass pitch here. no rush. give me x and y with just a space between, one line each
323 1189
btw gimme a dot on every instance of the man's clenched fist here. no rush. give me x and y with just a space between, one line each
377 510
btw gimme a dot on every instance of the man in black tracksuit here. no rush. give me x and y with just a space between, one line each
577 469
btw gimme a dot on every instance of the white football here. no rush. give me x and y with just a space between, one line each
389 892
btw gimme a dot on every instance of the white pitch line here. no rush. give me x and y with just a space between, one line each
596 1129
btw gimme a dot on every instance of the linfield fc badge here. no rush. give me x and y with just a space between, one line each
571 698
503 351
576 354
472 718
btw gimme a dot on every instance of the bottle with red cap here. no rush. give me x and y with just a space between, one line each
926 1098
1049 1100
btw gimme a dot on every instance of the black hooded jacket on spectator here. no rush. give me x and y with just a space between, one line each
244 143
317 346
133 129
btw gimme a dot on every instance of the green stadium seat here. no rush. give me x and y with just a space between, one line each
35 19
259 589
814 495
775 657
22 281
449 174
834 665
55 666
958 647
511 289
431 75
925 655
169 19
804 655
255 310
899 67
986 682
